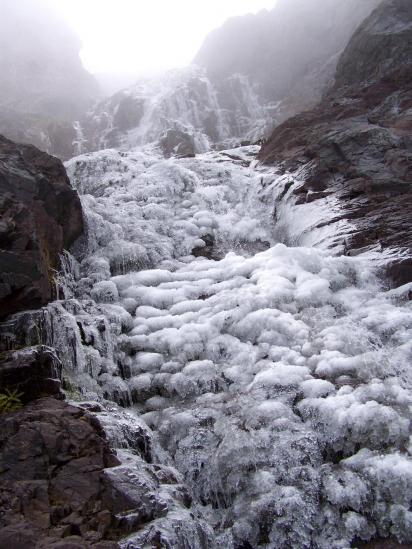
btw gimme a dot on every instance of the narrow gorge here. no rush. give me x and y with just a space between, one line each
206 315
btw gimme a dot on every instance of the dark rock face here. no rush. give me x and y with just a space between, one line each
382 44
34 371
53 489
55 136
61 486
356 144
40 216
177 143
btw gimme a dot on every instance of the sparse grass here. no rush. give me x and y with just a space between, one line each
71 390
10 401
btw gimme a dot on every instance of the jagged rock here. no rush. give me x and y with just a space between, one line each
178 143
35 372
55 136
355 145
382 44
62 486
52 463
207 249
129 111
40 216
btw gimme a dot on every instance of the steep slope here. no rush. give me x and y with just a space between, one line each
44 86
252 73
41 216
271 383
183 101
289 53
275 48
347 163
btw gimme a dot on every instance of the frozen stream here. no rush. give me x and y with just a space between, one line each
275 379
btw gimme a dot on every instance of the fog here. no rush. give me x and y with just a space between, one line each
140 36
59 58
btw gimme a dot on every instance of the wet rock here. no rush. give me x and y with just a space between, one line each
177 143
52 485
355 146
41 215
62 485
129 111
34 371
207 249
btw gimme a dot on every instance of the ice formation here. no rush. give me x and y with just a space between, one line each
275 379
181 99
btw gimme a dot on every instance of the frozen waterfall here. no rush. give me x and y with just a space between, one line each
274 380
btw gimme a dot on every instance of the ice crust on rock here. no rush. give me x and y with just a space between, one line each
276 382
184 101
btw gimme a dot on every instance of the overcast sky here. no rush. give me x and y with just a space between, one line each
128 36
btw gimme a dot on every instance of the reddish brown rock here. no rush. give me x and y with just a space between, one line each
53 492
356 144
40 216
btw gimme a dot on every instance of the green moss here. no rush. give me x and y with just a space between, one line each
10 401
71 390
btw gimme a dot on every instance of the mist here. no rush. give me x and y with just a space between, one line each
60 58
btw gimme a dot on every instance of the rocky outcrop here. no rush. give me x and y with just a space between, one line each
44 86
55 136
34 372
177 143
249 75
354 149
54 492
63 487
41 216
289 52
183 101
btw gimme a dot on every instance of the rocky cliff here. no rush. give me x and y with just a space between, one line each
289 53
41 216
249 75
270 389
351 155
44 86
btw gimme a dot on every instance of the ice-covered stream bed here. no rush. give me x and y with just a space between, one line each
275 379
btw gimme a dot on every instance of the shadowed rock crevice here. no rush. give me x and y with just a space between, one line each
41 216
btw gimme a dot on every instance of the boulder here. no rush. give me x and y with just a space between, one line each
41 215
177 143
34 372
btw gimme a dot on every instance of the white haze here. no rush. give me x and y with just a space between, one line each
135 36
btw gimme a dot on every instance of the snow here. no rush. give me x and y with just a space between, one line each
185 100
276 379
